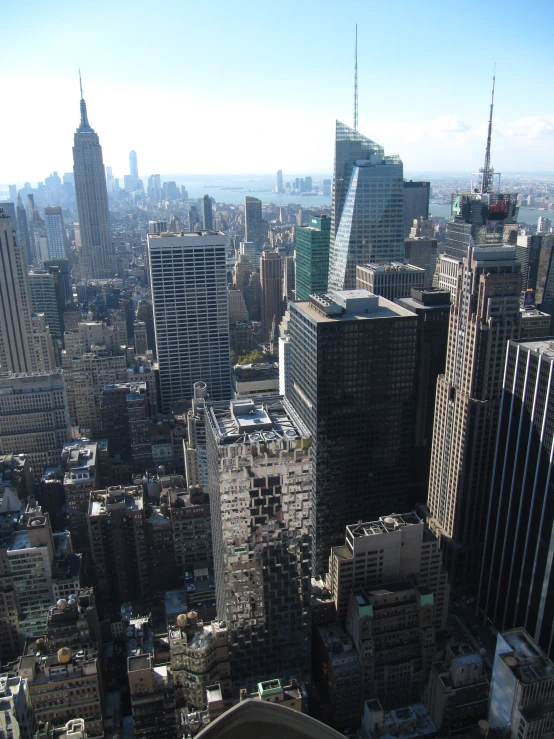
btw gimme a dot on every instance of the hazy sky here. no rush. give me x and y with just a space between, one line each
236 86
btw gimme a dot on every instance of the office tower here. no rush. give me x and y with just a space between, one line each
23 231
207 213
289 278
390 549
253 295
237 306
133 166
196 454
253 222
391 280
366 217
55 232
191 315
13 192
248 250
309 185
544 225
326 187
42 341
422 252
140 338
271 283
259 466
381 618
522 687
17 351
194 218
242 271
279 182
352 367
10 639
485 315
517 580
54 680
416 204
117 531
312 257
125 413
81 462
97 257
30 555
35 418
44 299
432 308
457 693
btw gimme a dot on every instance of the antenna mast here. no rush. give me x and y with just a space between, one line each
356 81
80 83
487 172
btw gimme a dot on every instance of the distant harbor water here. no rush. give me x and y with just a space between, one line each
529 216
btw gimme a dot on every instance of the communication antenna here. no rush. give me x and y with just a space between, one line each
356 81
487 172
80 83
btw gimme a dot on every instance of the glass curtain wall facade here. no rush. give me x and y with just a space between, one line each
312 257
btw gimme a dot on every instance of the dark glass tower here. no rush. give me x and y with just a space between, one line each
312 257
352 364
517 579
207 213
97 258
253 221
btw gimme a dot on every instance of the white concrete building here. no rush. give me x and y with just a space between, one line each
191 314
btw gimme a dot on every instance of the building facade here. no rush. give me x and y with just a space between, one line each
312 257
352 363
260 485
392 280
191 314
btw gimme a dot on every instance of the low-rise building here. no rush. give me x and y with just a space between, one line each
17 718
255 379
409 722
293 695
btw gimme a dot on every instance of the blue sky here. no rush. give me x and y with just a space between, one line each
231 86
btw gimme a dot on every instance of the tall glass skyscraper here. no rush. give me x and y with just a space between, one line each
367 207
253 221
97 258
312 257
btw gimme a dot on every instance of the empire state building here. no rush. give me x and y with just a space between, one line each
97 258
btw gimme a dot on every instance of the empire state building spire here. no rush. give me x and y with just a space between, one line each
85 125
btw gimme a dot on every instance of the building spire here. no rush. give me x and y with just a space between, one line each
356 81
84 118
487 172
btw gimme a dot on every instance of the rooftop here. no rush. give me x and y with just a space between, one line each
524 657
385 525
391 267
350 305
254 420
541 346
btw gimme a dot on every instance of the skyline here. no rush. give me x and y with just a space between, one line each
277 107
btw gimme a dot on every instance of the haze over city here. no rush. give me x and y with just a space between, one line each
253 87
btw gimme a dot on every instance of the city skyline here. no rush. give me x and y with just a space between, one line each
446 128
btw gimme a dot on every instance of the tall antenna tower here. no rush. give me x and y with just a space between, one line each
487 172
356 81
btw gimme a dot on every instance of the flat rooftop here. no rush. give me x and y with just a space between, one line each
385 525
391 267
541 346
350 305
254 420
524 657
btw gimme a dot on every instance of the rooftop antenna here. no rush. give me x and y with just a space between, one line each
84 118
487 172
356 81
80 83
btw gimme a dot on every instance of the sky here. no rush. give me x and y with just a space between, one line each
248 86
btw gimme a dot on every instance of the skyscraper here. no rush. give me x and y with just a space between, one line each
271 281
352 363
23 230
416 203
259 468
517 578
55 232
312 257
207 213
133 165
97 253
17 351
253 221
191 314
366 219
484 316
279 182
